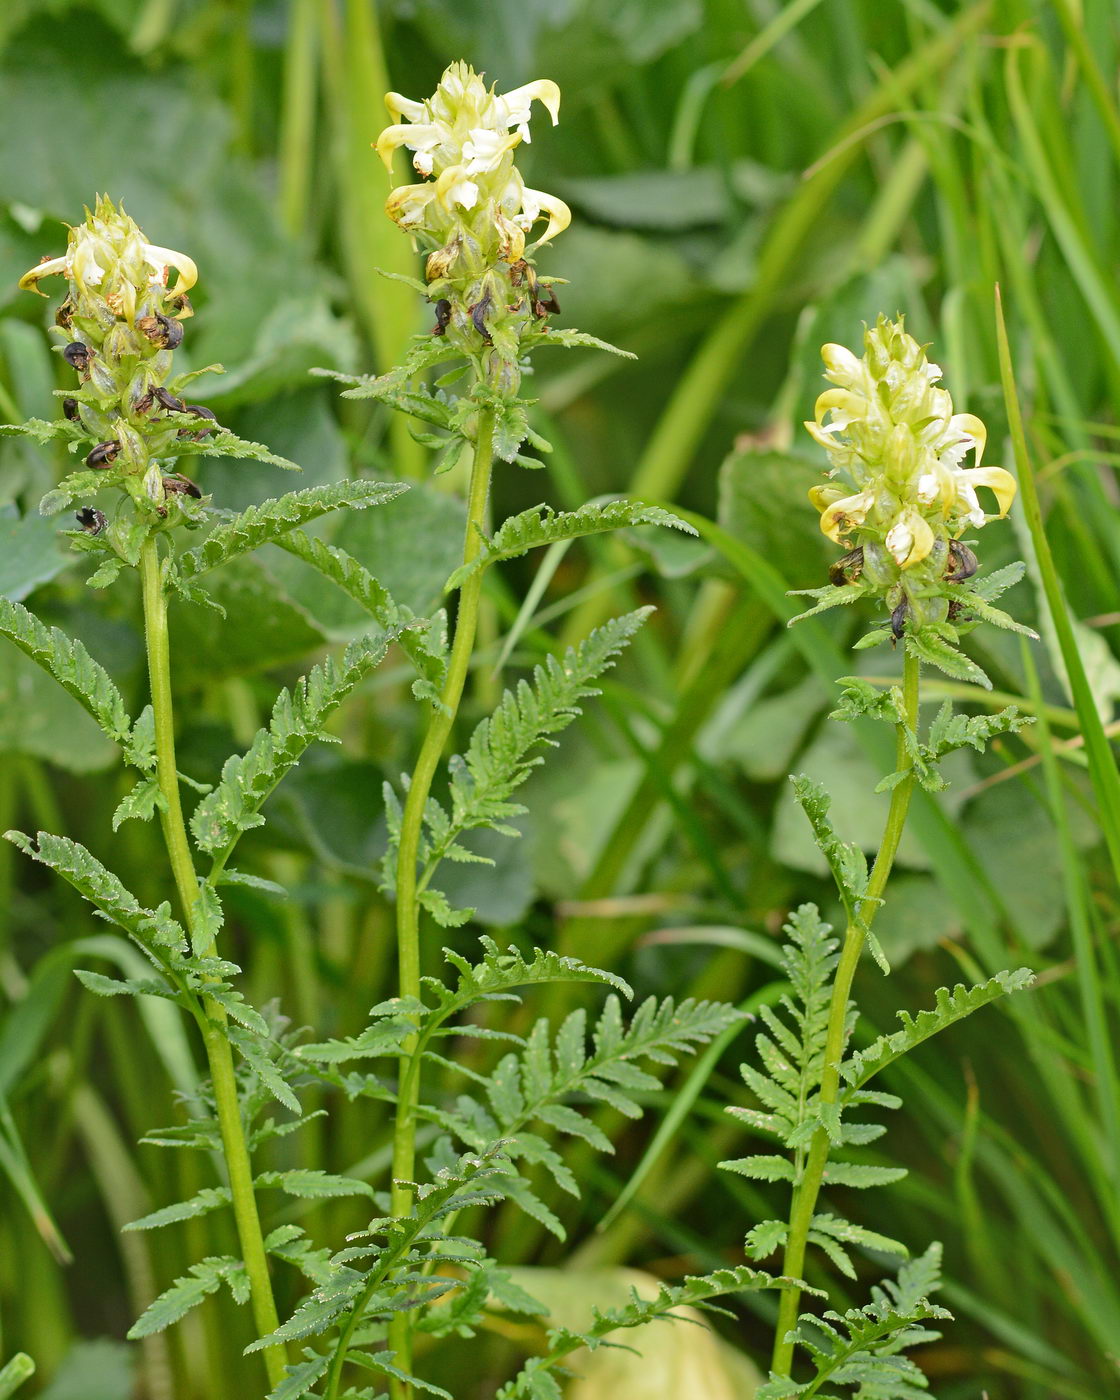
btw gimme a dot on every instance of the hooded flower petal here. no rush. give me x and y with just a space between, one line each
909 539
842 516
1001 483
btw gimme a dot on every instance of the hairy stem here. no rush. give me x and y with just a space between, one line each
412 821
213 1022
807 1190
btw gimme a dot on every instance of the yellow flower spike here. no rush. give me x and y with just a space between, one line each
909 539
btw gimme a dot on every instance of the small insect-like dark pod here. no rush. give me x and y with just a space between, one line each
955 610
64 316
169 401
963 562
847 568
197 411
478 316
443 316
70 409
518 272
180 304
92 521
898 620
161 330
103 454
77 356
179 485
546 304
143 404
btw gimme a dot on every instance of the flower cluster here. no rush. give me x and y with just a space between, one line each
899 450
472 211
119 326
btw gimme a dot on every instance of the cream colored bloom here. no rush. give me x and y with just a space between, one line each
890 432
108 256
463 138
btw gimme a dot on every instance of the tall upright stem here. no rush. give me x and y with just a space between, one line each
213 1021
412 822
808 1187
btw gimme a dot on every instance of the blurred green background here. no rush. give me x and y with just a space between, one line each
748 179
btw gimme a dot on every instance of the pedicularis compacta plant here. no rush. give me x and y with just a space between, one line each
906 500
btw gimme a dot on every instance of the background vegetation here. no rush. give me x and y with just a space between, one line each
748 179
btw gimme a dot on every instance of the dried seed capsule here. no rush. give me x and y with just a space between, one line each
443 316
181 304
64 316
197 410
161 330
963 563
478 316
180 485
77 355
70 409
103 454
847 568
545 303
898 620
169 401
91 520
142 404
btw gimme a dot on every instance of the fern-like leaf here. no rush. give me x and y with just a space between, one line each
537 1084
260 524
863 1347
190 1290
149 927
541 525
421 639
951 1006
535 1379
845 859
298 717
501 752
71 665
791 1047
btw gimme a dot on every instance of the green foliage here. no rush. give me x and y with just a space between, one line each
948 733
951 1006
261 524
536 1085
542 525
422 640
298 719
536 1380
153 929
501 756
862 1348
845 859
189 1291
75 670
791 1049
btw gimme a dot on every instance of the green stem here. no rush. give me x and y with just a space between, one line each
213 1023
808 1187
412 821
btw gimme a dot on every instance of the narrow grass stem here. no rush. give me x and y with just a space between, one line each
213 1023
808 1187
412 821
